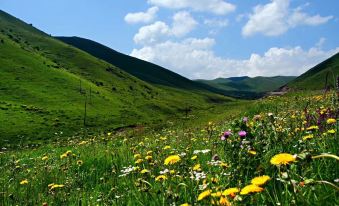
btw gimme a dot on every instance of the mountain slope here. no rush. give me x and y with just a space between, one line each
45 83
143 70
246 86
315 78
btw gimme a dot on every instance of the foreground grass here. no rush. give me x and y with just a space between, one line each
134 168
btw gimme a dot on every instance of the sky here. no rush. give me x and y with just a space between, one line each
199 39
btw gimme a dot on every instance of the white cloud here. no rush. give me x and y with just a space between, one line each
194 58
142 17
183 23
220 23
219 7
276 17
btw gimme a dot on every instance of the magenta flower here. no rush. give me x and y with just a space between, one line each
227 133
242 133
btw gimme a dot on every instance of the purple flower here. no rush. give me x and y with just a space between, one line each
227 133
245 119
242 133
223 138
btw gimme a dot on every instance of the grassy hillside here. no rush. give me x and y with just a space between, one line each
246 86
285 155
318 77
143 70
45 83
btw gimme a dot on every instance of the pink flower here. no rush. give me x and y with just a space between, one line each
242 133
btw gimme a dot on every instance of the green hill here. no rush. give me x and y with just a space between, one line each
318 77
45 83
143 70
247 87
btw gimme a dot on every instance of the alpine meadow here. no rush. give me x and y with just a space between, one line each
178 103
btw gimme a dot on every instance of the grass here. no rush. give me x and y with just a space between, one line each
127 165
45 83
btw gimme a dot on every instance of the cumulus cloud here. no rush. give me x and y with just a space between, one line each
194 58
218 7
276 17
142 17
183 23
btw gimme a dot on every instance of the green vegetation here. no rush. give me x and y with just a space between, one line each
191 163
45 83
319 77
246 87
143 70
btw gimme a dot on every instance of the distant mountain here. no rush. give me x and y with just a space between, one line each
318 77
45 84
247 87
143 70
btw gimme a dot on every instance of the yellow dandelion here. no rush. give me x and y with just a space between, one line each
56 186
144 171
137 156
63 156
223 165
230 191
194 157
80 162
172 172
314 127
148 157
172 159
185 204
310 136
197 167
149 152
166 147
24 182
138 161
44 158
331 121
204 194
252 152
261 180
251 189
161 178
282 159
332 131
82 143
216 194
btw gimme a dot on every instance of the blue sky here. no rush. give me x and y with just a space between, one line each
198 38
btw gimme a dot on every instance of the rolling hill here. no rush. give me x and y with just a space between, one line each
143 70
247 87
318 77
45 85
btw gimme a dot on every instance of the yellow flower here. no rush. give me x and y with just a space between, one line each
194 157
230 191
137 156
138 161
149 152
63 156
80 162
331 121
53 186
83 142
185 204
167 147
332 131
204 194
282 159
109 133
44 158
223 165
148 157
144 171
172 159
261 180
251 189
312 128
24 182
252 152
310 136
160 178
197 167
224 201
172 172
216 194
